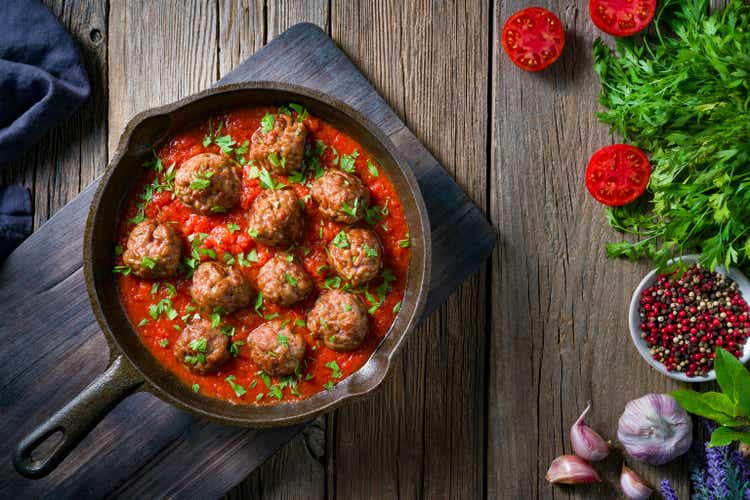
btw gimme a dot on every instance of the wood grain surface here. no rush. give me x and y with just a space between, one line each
484 392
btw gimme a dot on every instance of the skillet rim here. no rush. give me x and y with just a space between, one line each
420 285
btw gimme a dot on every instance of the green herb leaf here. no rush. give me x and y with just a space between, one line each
164 342
196 388
239 391
334 367
341 240
233 227
266 123
347 161
372 169
290 279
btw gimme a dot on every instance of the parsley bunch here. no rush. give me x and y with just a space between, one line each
683 95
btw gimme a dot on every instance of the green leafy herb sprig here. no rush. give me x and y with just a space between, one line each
730 408
683 95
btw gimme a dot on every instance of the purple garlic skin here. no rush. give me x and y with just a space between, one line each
633 486
570 469
586 442
655 429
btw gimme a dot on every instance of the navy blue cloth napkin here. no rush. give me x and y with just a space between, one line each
42 80
15 218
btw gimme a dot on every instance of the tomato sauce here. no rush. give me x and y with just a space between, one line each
227 237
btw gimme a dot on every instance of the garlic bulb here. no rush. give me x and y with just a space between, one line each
633 486
586 442
655 429
570 469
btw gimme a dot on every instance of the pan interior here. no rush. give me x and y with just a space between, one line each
146 132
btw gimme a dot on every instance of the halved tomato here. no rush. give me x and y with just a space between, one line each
618 174
622 17
533 38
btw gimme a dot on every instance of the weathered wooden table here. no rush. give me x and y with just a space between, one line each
485 391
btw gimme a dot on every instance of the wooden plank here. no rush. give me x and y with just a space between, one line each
413 438
158 52
298 470
73 153
559 333
144 443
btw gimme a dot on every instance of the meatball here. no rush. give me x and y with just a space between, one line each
356 255
340 319
218 286
208 183
340 196
201 347
153 250
284 281
276 218
282 148
275 348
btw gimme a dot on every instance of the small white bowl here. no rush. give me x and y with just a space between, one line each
635 320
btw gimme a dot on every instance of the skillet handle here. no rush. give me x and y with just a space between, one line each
76 419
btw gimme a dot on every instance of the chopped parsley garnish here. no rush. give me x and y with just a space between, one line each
215 319
194 360
164 306
242 260
259 397
347 307
300 110
328 385
334 367
335 156
406 242
199 345
196 388
275 391
118 250
218 209
333 282
124 270
275 160
397 307
252 232
229 258
283 340
143 322
224 142
164 342
253 384
268 182
341 240
299 322
239 391
228 330
233 227
372 169
350 211
322 269
266 123
347 161
201 180
234 348
369 251
290 279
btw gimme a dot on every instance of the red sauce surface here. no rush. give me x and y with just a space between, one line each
136 293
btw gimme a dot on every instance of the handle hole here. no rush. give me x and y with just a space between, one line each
47 445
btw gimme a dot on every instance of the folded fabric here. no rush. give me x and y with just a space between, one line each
15 218
42 80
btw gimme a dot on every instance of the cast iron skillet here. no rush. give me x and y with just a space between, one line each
131 367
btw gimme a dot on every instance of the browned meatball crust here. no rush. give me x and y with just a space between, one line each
356 255
341 196
201 347
276 218
282 148
284 281
208 183
153 250
218 286
340 319
275 348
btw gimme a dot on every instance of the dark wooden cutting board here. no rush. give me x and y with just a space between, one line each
51 346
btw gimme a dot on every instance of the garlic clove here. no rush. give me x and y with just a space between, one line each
586 442
570 469
632 485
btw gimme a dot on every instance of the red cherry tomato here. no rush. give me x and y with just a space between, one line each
622 17
533 38
618 174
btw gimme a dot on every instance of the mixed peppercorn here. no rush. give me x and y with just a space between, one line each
686 316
